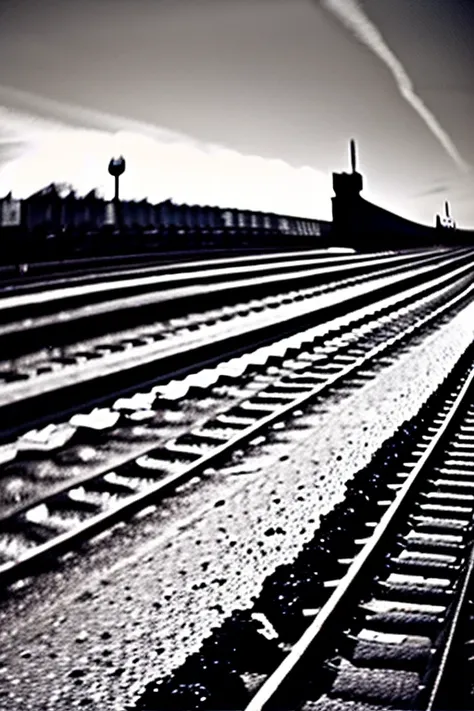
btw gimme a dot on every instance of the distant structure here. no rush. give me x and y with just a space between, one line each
11 211
445 222
54 225
364 226
348 186
345 205
51 225
49 212
117 168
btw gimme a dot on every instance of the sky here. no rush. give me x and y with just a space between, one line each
245 103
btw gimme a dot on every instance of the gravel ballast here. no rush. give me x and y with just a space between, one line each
93 633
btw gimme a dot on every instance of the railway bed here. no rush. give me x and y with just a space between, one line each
120 613
201 428
45 301
60 506
85 271
55 317
42 387
372 613
27 366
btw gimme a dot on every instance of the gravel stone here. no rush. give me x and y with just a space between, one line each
159 558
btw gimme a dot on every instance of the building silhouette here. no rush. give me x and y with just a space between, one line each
59 223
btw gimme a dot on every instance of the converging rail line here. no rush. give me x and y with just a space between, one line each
189 321
80 272
376 611
47 301
50 382
286 377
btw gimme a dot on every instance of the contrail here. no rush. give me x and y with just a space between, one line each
351 15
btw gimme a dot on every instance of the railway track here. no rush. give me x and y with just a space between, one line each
48 383
376 610
79 272
63 505
28 366
55 317
82 291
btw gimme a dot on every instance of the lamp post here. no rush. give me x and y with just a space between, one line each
116 168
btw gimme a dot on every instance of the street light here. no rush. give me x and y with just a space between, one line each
116 168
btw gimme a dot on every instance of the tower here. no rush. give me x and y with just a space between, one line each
117 168
347 203
445 222
348 185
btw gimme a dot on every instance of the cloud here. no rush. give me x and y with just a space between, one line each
35 109
438 189
350 14
64 143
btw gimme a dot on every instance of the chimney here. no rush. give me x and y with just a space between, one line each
353 155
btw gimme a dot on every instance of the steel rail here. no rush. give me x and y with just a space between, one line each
201 276
316 635
304 341
57 319
36 394
437 692
12 570
28 284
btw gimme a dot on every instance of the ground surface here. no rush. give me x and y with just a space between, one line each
91 633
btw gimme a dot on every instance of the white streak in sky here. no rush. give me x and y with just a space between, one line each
351 15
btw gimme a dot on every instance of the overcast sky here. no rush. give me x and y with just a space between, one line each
242 102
